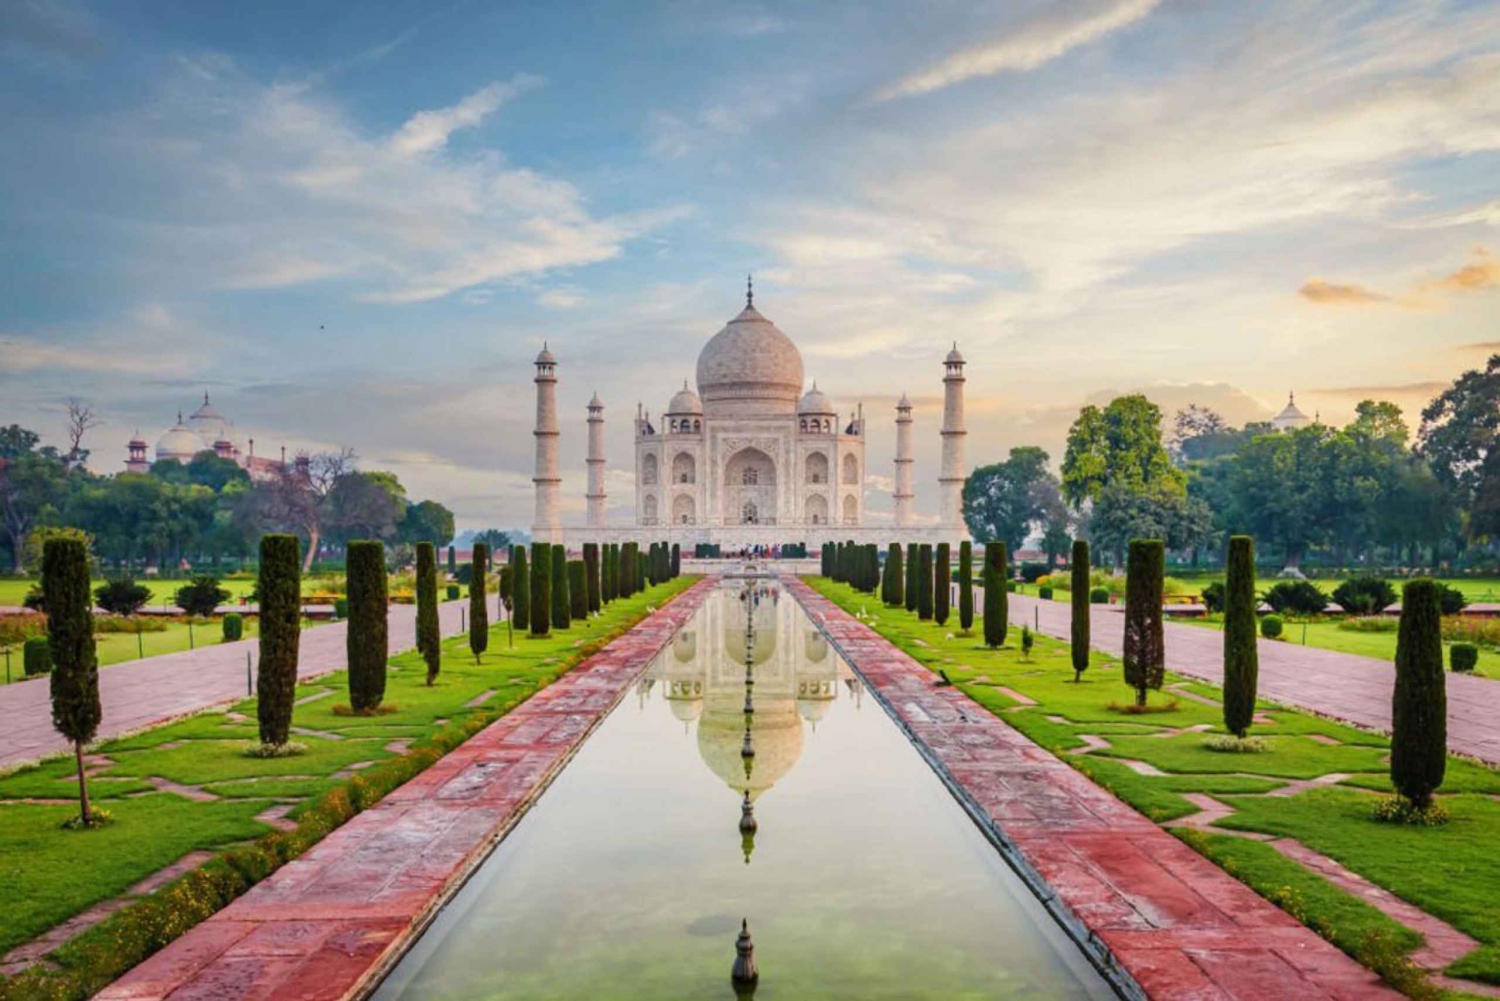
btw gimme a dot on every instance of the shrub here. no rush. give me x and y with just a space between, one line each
1463 657
996 603
453 566
341 608
1031 571
578 590
1396 810
429 634
35 599
1144 653
1213 597
943 570
1044 592
521 612
1299 597
234 627
966 586
1099 596
541 589
1081 626
453 591
924 581
1027 642
1241 656
561 603
280 589
1419 706
35 656
891 590
366 640
1010 587
593 597
1230 744
1364 595
676 560
1373 625
913 569
122 597
202 596
70 641
1271 626
465 574
1451 600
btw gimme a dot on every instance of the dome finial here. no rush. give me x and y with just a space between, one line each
205 397
749 291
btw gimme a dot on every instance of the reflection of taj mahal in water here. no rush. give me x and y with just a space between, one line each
797 678
749 458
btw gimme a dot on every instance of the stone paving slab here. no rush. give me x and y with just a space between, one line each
143 693
1177 924
326 924
1330 683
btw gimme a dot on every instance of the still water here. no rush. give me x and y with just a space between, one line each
630 877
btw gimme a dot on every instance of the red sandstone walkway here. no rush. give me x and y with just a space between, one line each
1341 685
1175 922
145 692
324 925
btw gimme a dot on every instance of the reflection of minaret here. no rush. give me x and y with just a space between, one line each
595 493
952 477
546 527
903 494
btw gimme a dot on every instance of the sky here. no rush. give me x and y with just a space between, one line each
355 224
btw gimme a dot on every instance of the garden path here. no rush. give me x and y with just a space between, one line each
1341 685
142 693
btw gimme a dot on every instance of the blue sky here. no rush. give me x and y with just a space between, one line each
354 224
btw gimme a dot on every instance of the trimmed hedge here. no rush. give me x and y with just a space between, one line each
541 589
36 658
479 611
1099 596
943 575
367 641
578 590
1144 653
234 627
1463 657
996 599
966 586
1080 598
1241 655
1271 626
520 613
593 597
122 597
1419 704
562 604
429 635
202 596
279 587
1044 592
924 581
453 592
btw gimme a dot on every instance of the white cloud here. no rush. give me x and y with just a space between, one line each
1024 49
561 298
149 341
429 130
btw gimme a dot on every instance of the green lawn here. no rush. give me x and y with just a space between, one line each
47 874
13 589
1452 871
1486 589
1326 635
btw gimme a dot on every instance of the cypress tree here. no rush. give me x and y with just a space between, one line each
676 560
825 555
1144 656
885 578
593 598
1419 704
913 565
508 601
627 569
479 615
898 576
279 596
1079 569
609 574
541 589
943 569
429 636
1241 658
521 580
366 639
452 561
924 581
70 640
996 600
578 590
872 562
640 571
966 586
651 563
562 601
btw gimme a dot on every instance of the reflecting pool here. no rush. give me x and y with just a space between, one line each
863 878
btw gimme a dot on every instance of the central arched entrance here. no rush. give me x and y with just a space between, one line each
749 488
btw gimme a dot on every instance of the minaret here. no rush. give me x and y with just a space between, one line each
904 494
952 477
595 493
546 527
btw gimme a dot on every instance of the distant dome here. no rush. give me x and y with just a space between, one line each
750 367
180 443
545 358
814 402
904 403
685 402
1290 417
211 427
954 358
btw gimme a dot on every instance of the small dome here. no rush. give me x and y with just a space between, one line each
814 402
179 442
545 358
903 403
207 412
596 403
750 367
954 358
685 402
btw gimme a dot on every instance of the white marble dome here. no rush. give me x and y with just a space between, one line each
814 402
180 443
685 401
750 367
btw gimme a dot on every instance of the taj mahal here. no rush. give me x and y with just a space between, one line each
749 457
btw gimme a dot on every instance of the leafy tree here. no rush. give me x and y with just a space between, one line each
1004 500
122 597
1419 705
16 441
204 470
1364 595
366 639
1241 655
1117 446
1144 655
561 600
70 641
943 567
279 599
479 609
429 521
364 506
429 636
1282 485
1301 597
1081 624
201 596
36 543
1121 514
1459 428
33 485
996 597
541 589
